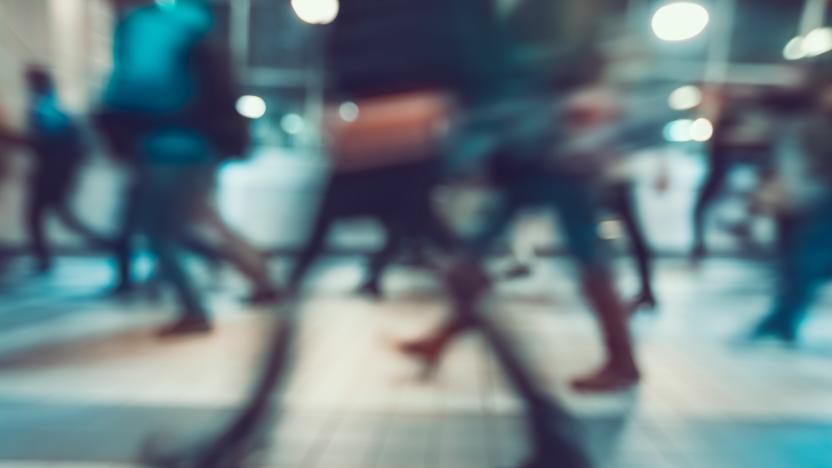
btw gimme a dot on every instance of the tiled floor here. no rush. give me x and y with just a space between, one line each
83 384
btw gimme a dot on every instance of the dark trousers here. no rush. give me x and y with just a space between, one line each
160 205
398 197
719 163
571 198
619 199
805 263
49 192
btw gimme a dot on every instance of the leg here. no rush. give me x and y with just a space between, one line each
313 248
554 441
381 259
577 208
72 221
466 281
35 212
173 187
718 166
496 225
430 348
122 247
237 251
163 242
622 203
804 265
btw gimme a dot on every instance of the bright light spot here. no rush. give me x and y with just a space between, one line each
316 11
686 97
252 107
684 130
794 49
817 42
701 130
348 111
292 124
679 21
166 3
678 131
610 230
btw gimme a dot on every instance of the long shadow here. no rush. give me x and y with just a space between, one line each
554 434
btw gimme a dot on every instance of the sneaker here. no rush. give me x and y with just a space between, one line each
426 352
263 297
370 289
517 271
766 330
644 302
187 325
608 379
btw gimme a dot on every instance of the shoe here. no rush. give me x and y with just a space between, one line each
426 351
642 302
608 379
187 325
767 329
371 289
517 271
262 297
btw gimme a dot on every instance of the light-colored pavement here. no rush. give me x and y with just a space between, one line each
87 385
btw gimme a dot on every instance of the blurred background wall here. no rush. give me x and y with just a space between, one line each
70 37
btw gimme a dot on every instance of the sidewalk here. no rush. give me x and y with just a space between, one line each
87 388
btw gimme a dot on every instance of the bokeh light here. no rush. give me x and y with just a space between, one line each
348 111
684 98
817 42
794 49
316 11
701 130
293 124
686 130
679 21
678 131
252 107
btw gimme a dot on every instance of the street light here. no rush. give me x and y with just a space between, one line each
316 11
701 130
794 49
684 98
686 130
679 21
816 42
251 107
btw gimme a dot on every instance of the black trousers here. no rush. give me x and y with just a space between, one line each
398 197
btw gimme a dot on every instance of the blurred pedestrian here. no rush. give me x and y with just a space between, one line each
802 197
57 143
741 136
168 108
